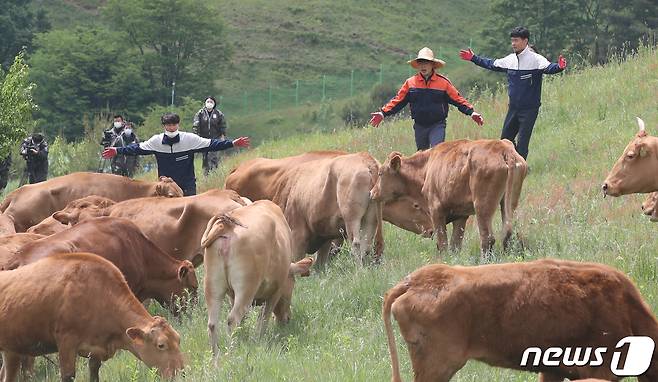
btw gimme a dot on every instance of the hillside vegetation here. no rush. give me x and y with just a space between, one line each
336 332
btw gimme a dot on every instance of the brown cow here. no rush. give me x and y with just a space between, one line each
457 179
493 313
252 178
31 203
320 193
649 206
174 224
634 172
248 255
149 271
51 306
88 204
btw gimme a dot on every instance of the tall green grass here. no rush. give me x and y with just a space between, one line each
336 333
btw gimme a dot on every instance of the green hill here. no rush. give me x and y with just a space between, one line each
280 41
336 332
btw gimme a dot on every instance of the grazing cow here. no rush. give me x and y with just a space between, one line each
634 172
248 255
174 224
88 204
457 179
31 203
253 179
493 313
649 206
149 271
320 193
79 304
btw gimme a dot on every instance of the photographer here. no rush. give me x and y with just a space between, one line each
120 135
34 150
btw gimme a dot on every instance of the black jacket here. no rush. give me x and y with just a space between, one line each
209 124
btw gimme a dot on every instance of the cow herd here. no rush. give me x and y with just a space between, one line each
71 239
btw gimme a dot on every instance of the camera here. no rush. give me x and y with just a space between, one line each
107 138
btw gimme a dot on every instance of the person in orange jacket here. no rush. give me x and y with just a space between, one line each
428 95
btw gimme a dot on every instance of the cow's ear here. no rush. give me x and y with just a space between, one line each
136 335
396 162
302 268
185 268
62 217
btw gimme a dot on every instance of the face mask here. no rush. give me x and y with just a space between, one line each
209 105
171 134
117 125
127 132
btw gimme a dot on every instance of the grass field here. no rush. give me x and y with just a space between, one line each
336 332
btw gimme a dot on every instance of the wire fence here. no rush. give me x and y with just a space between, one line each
312 91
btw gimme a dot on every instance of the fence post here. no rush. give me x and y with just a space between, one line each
324 86
352 83
296 92
381 73
244 102
269 99
409 70
470 43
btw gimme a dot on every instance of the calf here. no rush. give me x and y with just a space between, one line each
247 254
79 304
150 272
493 313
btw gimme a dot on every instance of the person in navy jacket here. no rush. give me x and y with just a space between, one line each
174 151
525 69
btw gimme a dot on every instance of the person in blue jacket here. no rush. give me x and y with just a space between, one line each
174 151
525 69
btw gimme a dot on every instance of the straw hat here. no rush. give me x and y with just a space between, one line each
426 54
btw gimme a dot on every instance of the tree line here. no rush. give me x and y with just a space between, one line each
128 61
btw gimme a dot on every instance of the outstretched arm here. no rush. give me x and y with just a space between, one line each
393 106
554 68
483 62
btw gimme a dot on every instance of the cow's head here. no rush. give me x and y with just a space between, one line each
649 206
301 268
83 209
635 171
183 290
168 188
408 214
157 344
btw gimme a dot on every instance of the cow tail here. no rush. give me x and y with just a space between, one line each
517 169
217 227
389 299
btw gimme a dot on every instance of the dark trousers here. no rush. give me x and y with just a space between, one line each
189 189
429 135
518 128
210 161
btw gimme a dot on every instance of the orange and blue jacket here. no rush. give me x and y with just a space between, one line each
428 100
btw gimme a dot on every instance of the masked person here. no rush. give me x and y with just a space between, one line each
120 135
209 122
428 94
525 69
34 150
174 151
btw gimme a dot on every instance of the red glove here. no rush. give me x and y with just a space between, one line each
241 142
562 62
466 54
477 118
109 152
377 118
